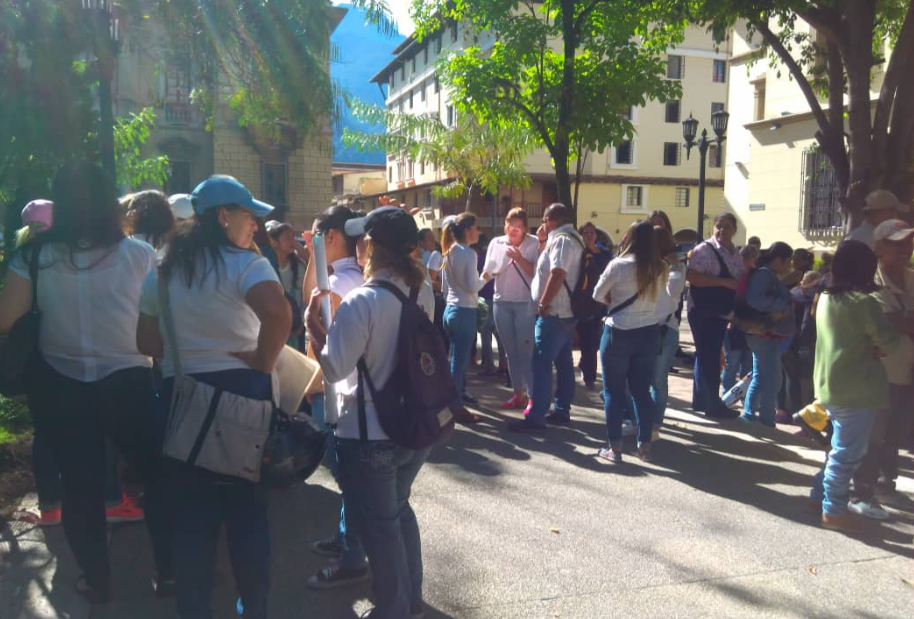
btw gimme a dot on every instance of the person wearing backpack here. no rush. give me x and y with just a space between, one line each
557 272
764 311
511 259
375 470
632 285
590 320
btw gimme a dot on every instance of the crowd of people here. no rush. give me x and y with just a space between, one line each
138 294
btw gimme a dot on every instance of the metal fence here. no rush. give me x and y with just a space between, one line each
820 206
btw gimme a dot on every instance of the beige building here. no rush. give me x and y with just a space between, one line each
619 186
292 172
779 186
356 184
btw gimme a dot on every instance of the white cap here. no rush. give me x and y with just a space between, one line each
181 205
892 230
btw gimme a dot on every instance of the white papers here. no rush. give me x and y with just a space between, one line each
331 413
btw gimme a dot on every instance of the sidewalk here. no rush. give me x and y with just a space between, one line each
535 527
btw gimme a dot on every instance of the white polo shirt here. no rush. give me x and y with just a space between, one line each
565 253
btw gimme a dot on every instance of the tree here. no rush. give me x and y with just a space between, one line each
480 157
869 145
133 170
568 70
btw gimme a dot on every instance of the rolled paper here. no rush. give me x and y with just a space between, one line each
331 410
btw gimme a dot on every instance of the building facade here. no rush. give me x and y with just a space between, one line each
291 171
619 186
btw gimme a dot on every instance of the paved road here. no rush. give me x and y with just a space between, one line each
535 527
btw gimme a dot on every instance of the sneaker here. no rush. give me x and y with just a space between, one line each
558 419
525 425
515 402
330 547
629 428
49 517
644 452
470 399
610 454
868 509
334 576
847 523
747 418
127 511
529 408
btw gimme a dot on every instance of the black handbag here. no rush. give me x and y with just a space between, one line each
19 349
716 301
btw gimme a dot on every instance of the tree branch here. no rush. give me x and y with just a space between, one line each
521 107
833 142
900 60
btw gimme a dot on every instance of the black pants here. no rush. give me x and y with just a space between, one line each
76 417
590 332
708 333
202 502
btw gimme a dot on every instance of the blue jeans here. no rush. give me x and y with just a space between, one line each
708 332
515 323
629 359
460 326
851 428
737 363
762 395
201 502
552 344
379 475
660 387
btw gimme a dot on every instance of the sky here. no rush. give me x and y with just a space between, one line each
400 10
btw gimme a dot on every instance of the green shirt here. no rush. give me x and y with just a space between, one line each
849 329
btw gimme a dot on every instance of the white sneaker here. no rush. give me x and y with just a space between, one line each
628 428
868 509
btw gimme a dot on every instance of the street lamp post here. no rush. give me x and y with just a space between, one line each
104 27
719 122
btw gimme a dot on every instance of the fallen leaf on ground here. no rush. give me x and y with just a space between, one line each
813 570
908 581
554 530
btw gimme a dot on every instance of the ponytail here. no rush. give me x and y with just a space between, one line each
454 230
778 249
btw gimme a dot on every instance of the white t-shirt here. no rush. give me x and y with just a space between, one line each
562 253
511 286
668 304
286 278
460 281
620 281
432 259
367 323
90 305
212 318
346 276
863 233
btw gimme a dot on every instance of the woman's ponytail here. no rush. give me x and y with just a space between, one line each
448 239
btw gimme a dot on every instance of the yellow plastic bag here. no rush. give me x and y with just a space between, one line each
815 416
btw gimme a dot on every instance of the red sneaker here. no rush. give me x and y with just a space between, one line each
529 407
49 517
127 511
515 402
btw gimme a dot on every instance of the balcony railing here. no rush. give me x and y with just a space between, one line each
179 113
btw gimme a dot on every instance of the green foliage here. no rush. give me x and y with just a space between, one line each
566 69
133 169
481 156
14 418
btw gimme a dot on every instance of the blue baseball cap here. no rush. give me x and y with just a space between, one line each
220 190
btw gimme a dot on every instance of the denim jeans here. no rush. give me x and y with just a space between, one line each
379 475
660 386
460 325
708 332
552 345
515 323
47 473
891 427
851 428
201 502
737 363
590 332
762 395
490 331
629 358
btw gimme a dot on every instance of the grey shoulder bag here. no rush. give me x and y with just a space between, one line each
208 427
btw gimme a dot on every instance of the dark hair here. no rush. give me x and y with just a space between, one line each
754 240
455 231
425 232
652 270
664 217
198 243
778 249
726 216
335 218
558 211
87 213
152 215
853 269
805 255
665 242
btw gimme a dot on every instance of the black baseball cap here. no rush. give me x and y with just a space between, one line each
390 227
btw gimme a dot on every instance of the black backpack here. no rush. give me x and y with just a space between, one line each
413 407
583 305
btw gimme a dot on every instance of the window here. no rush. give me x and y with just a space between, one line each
634 198
672 111
425 55
625 153
393 79
437 85
390 174
670 153
403 72
759 100
178 177
820 209
717 107
438 38
720 71
422 92
422 167
338 185
715 157
412 64
454 32
428 198
274 184
411 99
177 95
451 116
411 168
400 169
675 67
682 197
